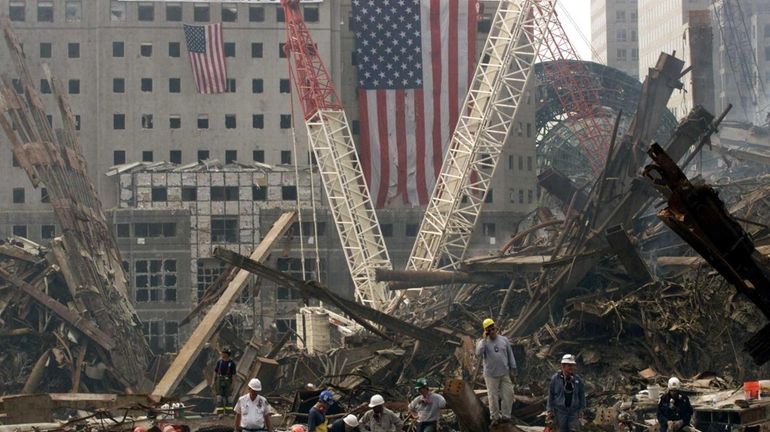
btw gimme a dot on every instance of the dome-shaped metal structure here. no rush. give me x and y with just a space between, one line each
557 145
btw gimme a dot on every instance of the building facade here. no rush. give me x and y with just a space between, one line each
663 27
615 34
131 88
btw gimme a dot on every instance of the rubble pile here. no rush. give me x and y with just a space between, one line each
636 291
41 352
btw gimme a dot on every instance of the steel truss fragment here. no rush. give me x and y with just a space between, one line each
486 117
348 196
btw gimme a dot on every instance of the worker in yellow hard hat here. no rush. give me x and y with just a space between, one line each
499 366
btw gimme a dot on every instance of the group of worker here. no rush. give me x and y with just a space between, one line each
252 413
564 408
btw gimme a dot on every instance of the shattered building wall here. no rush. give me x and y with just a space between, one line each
232 208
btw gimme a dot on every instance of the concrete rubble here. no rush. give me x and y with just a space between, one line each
638 294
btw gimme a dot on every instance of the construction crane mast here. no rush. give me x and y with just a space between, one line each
332 144
493 100
735 36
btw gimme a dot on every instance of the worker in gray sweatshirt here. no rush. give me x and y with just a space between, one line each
499 366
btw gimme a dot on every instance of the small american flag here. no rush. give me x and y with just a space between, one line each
207 57
415 61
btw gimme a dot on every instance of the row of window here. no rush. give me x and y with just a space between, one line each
146 49
147 121
47 232
174 85
145 12
622 35
18 195
622 54
146 230
512 159
620 16
222 193
175 156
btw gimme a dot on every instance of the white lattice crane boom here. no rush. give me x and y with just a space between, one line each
493 100
330 138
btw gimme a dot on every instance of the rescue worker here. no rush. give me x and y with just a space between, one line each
426 407
379 418
224 371
252 412
316 418
499 366
674 408
347 424
566 397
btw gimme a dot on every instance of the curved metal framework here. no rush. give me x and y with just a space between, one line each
557 144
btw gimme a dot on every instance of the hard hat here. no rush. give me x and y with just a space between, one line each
297 428
420 383
326 396
487 322
674 383
255 384
351 420
376 400
568 359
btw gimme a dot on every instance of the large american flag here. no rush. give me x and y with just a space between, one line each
415 61
207 57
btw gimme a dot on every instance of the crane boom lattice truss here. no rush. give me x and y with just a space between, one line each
486 117
734 32
578 91
332 144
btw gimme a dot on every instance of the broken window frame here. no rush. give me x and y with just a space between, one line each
73 11
155 280
224 229
117 11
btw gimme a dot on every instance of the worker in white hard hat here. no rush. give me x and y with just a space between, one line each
674 408
379 418
566 397
252 412
499 367
349 423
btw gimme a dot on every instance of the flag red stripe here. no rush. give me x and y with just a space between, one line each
194 71
435 41
363 136
453 22
401 145
382 128
419 112
201 74
214 57
211 60
220 58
